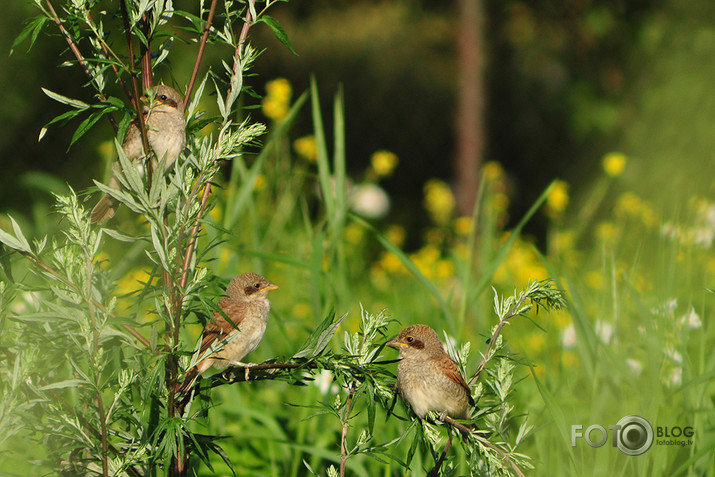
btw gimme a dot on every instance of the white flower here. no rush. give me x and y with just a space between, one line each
369 201
691 319
635 366
324 381
604 330
676 377
568 337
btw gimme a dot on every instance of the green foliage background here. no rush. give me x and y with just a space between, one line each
637 265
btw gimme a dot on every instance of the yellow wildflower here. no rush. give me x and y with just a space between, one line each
306 147
492 171
383 163
534 343
614 163
277 101
629 204
435 236
260 183
606 231
280 89
275 109
354 233
463 225
445 269
438 200
594 279
558 199
390 263
396 235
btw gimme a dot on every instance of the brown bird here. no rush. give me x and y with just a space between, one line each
246 305
428 379
166 131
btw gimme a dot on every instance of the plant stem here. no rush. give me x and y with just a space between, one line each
133 76
495 335
72 285
200 54
343 436
78 54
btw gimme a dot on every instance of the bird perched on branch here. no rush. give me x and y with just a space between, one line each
246 306
428 379
166 132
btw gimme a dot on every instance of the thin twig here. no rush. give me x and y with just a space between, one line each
200 54
135 83
495 335
466 430
344 433
438 464
78 54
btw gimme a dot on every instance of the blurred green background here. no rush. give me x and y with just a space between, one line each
612 98
566 82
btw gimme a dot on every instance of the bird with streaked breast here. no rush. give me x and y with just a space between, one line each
247 307
428 379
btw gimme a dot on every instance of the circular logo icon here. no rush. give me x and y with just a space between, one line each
635 435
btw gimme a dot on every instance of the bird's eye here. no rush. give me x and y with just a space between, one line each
162 97
256 285
410 339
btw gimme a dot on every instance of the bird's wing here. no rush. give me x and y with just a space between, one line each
451 370
219 327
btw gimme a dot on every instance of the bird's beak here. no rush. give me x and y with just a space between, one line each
269 287
395 344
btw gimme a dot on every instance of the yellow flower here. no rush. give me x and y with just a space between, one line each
629 204
438 201
558 199
445 269
534 343
614 163
383 162
463 225
354 233
275 109
500 202
561 318
390 263
277 101
595 280
306 147
606 231
492 171
280 89
435 236
396 235
260 183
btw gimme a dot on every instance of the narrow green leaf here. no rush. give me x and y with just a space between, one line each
68 383
557 415
319 339
503 251
87 124
410 265
33 29
75 103
278 31
326 184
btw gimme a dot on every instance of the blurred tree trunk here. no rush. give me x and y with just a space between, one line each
470 103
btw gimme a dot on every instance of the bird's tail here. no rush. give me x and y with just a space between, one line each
189 379
104 210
